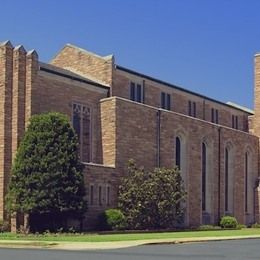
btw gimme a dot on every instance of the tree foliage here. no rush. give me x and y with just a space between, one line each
46 173
152 199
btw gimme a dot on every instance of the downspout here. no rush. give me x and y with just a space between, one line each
219 170
143 100
158 137
256 199
204 115
108 93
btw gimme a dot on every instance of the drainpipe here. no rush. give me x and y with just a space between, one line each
108 93
204 116
158 137
219 170
143 92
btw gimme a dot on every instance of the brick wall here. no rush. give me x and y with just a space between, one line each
136 137
257 96
56 93
179 99
122 129
136 134
99 176
18 71
6 84
85 63
108 129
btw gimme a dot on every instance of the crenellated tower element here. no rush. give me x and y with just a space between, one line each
18 71
6 86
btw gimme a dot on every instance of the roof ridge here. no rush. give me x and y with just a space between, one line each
89 52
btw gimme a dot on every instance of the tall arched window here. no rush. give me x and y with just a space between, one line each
249 185
181 162
228 184
246 182
226 179
204 175
178 152
207 180
82 125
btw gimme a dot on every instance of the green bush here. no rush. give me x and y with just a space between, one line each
4 226
152 199
240 226
228 222
256 225
112 219
208 227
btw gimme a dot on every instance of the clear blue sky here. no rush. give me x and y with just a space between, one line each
205 46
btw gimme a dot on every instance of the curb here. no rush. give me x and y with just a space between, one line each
201 240
74 246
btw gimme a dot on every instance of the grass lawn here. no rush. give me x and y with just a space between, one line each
127 237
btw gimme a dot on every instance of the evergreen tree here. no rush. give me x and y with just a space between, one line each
47 177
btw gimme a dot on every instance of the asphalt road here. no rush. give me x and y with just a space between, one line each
237 250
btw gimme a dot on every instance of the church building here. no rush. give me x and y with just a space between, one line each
121 114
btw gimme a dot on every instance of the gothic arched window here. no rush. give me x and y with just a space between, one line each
204 175
178 152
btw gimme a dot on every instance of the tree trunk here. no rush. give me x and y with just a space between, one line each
26 223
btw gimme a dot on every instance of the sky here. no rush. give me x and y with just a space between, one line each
204 46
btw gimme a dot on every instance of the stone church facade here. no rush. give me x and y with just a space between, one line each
121 114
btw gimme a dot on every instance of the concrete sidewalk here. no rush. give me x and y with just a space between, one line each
110 245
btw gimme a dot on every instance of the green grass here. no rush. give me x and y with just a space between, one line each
128 237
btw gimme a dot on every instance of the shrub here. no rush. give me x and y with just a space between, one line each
152 199
112 219
4 226
240 226
256 225
208 227
228 222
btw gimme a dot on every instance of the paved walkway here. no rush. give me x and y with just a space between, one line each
110 245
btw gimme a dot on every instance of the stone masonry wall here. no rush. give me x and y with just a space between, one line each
136 138
179 99
18 70
256 122
136 134
99 176
55 93
108 129
122 129
6 82
25 90
85 63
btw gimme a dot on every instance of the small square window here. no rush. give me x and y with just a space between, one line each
136 92
192 110
214 115
234 122
132 91
165 101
